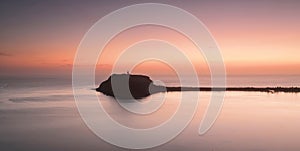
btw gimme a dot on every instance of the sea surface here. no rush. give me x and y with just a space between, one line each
39 113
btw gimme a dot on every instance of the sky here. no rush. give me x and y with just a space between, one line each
255 37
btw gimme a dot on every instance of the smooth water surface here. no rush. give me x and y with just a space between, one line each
40 114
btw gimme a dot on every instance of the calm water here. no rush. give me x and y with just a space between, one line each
40 114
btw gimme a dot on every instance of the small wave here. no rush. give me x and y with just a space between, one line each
3 85
41 98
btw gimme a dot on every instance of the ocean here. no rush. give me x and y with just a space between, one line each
39 113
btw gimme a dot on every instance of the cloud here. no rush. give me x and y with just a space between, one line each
5 54
104 66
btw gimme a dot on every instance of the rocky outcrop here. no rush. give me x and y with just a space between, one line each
127 86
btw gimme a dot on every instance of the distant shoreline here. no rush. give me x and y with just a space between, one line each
245 89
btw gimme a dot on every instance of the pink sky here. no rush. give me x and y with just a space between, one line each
254 37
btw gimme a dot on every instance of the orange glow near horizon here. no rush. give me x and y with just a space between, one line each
255 59
114 48
235 63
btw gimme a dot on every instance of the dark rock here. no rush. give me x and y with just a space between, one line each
127 86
